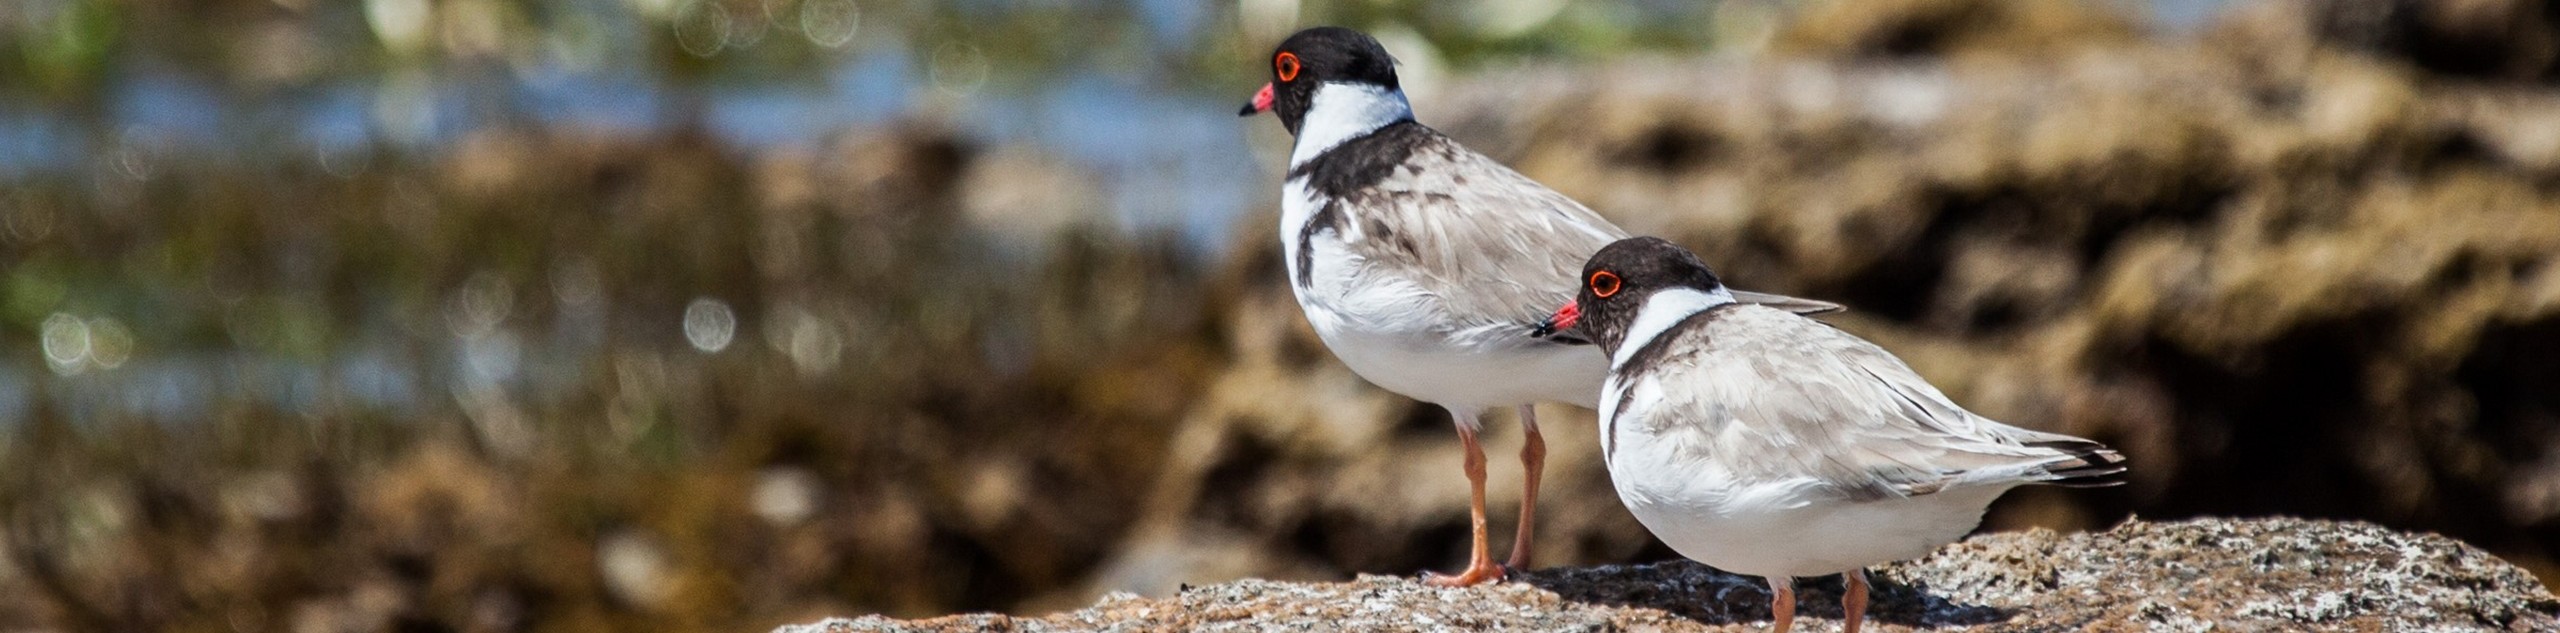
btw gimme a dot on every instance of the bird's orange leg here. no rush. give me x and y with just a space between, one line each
1782 604
1480 567
1853 605
1533 460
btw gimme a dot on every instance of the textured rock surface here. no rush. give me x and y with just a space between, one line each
2211 574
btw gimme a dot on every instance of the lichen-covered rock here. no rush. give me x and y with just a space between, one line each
2209 574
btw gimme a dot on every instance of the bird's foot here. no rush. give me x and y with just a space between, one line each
1480 573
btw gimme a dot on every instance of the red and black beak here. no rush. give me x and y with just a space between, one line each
1261 101
1562 320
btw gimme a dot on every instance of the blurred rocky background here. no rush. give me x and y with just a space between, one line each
493 315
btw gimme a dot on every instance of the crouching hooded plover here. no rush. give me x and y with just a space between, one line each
1764 443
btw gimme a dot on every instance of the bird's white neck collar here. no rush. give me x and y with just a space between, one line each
1344 111
1664 309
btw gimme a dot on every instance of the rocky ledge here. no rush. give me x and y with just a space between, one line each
2209 574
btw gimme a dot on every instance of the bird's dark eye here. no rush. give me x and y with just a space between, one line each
1287 65
1604 283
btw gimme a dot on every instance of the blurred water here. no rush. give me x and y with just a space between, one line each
1160 142
1168 153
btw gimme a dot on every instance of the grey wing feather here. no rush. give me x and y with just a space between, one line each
1496 248
1492 245
1850 414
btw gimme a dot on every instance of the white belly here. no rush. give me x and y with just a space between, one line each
1397 336
1425 368
1775 528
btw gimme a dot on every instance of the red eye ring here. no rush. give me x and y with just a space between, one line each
1287 65
1604 283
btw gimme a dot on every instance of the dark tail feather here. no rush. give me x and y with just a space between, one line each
2091 464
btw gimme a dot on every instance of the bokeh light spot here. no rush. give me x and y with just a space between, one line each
578 284
813 344
110 343
702 28
27 221
959 67
485 300
786 496
709 324
635 568
830 23
400 24
66 343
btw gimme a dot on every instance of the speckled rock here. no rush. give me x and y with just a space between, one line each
2210 574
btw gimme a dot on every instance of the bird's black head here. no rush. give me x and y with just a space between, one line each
1618 280
1313 58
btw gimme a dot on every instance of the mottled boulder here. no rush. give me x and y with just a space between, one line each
2209 574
